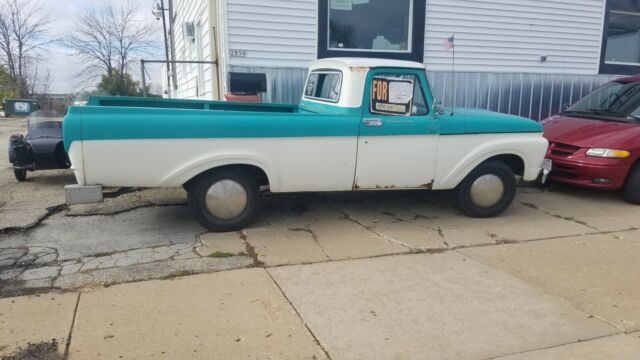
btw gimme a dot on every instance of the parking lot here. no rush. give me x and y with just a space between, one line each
372 275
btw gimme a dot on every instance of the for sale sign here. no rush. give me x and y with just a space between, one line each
391 95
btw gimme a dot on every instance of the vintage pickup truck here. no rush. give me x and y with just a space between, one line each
362 124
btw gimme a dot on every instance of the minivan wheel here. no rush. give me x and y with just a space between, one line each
224 200
487 191
632 186
20 174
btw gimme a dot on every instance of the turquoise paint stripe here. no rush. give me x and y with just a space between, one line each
125 123
115 118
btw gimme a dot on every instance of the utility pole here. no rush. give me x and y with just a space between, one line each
158 12
172 41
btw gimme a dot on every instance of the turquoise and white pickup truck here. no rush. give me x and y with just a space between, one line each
362 124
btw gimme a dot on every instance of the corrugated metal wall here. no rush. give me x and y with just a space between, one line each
273 33
535 96
512 35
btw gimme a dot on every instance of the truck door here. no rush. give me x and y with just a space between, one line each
398 138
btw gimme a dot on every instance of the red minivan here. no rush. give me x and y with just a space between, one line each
596 142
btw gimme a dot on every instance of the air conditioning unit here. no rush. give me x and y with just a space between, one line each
189 31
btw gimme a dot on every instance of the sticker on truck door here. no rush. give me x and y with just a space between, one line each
391 95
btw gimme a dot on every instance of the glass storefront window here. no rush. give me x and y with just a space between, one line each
370 25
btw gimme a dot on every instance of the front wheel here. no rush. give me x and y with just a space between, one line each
225 200
487 191
632 186
21 175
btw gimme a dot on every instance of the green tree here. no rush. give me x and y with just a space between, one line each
116 83
8 87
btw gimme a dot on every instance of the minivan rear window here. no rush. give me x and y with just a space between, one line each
324 86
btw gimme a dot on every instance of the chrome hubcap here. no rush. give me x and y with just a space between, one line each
226 199
487 190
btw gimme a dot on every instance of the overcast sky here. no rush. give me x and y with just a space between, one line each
60 60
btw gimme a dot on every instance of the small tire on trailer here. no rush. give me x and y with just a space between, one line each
224 200
20 174
632 186
487 191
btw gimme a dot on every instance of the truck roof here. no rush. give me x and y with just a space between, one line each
354 72
353 62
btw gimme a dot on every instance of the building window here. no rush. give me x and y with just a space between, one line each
351 28
371 28
621 38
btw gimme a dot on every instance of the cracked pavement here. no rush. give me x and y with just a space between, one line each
343 273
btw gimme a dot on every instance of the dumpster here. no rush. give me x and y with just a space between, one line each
20 107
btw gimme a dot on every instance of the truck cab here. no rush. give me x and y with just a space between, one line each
361 124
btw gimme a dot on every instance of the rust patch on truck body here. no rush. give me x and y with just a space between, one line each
427 186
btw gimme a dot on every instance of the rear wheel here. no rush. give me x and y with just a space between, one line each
224 200
21 175
487 191
632 186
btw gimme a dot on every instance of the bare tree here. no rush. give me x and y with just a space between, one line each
38 81
23 26
109 38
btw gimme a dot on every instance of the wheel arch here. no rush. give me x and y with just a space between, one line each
635 164
188 170
258 172
513 159
514 162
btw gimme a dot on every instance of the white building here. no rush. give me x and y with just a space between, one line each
527 57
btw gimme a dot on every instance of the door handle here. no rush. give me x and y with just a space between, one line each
372 122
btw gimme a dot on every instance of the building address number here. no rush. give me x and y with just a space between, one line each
238 52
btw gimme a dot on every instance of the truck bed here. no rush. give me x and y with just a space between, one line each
147 102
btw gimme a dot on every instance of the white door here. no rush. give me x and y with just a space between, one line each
398 142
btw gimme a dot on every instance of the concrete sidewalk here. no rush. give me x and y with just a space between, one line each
481 303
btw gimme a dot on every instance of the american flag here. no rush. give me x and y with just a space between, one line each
449 43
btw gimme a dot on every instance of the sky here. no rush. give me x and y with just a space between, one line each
60 61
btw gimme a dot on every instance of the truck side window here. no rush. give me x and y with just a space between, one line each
323 86
393 94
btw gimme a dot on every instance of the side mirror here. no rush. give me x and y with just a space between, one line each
438 108
565 107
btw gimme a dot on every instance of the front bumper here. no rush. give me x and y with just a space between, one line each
585 174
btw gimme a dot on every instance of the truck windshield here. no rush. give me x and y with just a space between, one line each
615 101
